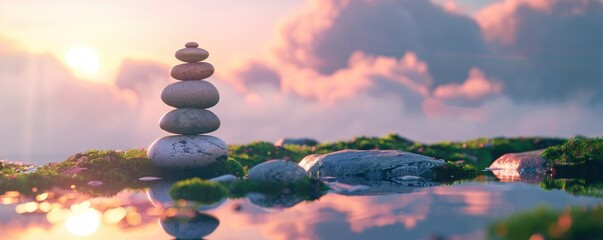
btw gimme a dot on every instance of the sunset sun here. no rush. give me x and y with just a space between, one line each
82 60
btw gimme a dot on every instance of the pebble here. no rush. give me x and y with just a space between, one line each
149 178
277 171
191 55
192 71
95 183
190 94
181 151
191 45
189 121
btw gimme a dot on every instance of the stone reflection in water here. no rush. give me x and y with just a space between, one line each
190 227
279 201
158 194
361 186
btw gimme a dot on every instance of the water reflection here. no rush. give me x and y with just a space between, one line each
195 225
83 222
274 202
459 211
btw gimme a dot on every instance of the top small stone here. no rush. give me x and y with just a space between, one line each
191 45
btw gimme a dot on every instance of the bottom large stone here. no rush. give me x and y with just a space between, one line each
193 151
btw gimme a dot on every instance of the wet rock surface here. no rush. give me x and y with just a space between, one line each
370 165
277 171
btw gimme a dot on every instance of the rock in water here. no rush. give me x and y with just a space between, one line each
192 71
525 165
189 121
277 171
190 94
191 55
191 151
370 164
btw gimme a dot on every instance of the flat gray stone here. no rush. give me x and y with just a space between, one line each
181 151
196 227
190 94
189 121
370 164
192 71
276 171
191 55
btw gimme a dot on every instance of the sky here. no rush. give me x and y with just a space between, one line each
326 69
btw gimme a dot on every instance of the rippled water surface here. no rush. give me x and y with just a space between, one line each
458 211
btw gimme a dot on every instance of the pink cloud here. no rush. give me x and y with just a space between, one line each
475 88
500 21
357 77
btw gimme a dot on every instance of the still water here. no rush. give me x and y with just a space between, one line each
457 211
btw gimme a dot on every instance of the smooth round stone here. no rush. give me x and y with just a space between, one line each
190 94
277 171
180 151
189 121
191 55
191 45
192 71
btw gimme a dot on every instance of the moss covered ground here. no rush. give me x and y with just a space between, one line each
118 170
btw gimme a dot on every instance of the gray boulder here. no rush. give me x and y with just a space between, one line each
276 171
296 141
370 165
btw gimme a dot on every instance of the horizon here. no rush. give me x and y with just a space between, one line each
76 76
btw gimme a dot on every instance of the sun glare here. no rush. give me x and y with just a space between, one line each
83 60
83 222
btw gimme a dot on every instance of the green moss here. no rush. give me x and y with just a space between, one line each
258 152
117 171
574 223
196 189
580 187
578 150
452 171
579 157
388 142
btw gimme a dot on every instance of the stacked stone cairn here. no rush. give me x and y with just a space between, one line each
191 96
